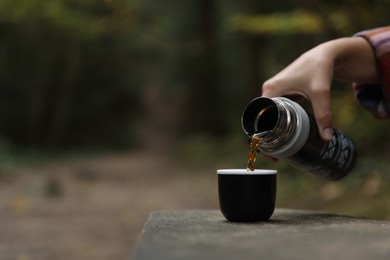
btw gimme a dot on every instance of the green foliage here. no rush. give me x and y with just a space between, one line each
297 21
66 72
76 73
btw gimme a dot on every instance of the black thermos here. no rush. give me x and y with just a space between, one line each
293 138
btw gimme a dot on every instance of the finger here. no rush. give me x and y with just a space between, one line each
271 88
322 113
279 88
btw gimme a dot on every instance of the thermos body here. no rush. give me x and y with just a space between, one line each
293 138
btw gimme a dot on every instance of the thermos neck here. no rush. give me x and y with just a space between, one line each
287 122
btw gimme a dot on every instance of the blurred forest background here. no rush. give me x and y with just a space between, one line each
124 74
97 77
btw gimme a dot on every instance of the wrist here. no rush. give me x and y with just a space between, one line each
354 60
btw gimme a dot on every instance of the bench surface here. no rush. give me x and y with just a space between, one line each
290 234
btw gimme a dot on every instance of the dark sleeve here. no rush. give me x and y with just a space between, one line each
376 97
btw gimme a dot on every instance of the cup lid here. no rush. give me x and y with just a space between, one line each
246 172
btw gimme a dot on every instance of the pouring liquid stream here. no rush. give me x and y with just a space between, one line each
255 141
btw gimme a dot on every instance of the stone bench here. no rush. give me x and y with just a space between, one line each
290 234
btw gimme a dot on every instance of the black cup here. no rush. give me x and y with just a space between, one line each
247 196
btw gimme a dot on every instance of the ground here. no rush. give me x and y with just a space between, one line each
95 207
92 208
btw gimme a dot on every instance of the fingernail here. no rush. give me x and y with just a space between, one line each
328 133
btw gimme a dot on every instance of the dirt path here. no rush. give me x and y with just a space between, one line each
95 208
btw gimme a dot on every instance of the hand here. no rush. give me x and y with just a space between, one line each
311 75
